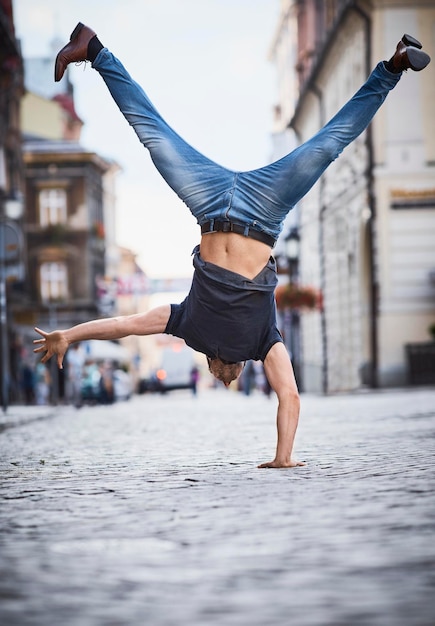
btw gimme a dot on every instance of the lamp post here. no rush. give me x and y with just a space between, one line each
292 247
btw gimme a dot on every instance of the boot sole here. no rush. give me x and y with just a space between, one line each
417 59
56 79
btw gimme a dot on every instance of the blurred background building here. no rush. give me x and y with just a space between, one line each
366 231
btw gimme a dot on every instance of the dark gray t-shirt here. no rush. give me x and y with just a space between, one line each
227 315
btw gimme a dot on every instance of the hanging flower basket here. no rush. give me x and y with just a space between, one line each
98 230
293 296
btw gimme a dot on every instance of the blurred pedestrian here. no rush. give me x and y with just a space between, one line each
27 381
106 386
247 378
75 363
42 384
194 379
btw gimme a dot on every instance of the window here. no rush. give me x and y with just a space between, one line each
54 281
52 207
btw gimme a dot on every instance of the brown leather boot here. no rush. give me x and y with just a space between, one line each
74 51
408 55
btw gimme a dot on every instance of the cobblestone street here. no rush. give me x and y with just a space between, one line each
153 512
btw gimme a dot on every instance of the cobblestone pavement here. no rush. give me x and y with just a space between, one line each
153 512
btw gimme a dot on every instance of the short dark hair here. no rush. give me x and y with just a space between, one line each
224 371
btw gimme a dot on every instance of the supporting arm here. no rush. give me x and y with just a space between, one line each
279 372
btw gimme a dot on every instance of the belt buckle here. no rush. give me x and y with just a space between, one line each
226 227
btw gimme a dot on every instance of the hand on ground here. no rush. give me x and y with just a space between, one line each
282 464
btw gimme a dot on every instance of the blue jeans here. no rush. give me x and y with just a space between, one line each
259 198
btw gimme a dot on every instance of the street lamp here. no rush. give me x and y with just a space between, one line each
14 206
292 247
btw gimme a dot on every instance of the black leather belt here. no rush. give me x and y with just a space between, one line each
213 226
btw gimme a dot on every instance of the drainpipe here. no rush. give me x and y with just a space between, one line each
323 328
371 224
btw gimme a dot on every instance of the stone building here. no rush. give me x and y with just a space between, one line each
69 228
11 195
64 230
367 227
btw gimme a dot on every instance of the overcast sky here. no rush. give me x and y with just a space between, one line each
204 65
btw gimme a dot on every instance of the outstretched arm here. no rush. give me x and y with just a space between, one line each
58 341
279 372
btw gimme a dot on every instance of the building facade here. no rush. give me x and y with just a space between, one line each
367 227
70 202
11 197
64 230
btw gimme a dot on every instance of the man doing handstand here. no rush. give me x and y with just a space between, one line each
229 314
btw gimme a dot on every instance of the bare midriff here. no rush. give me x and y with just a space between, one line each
236 253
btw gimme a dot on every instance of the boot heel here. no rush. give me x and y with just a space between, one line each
408 40
76 31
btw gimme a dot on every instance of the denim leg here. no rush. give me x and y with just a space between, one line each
198 181
260 198
276 188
